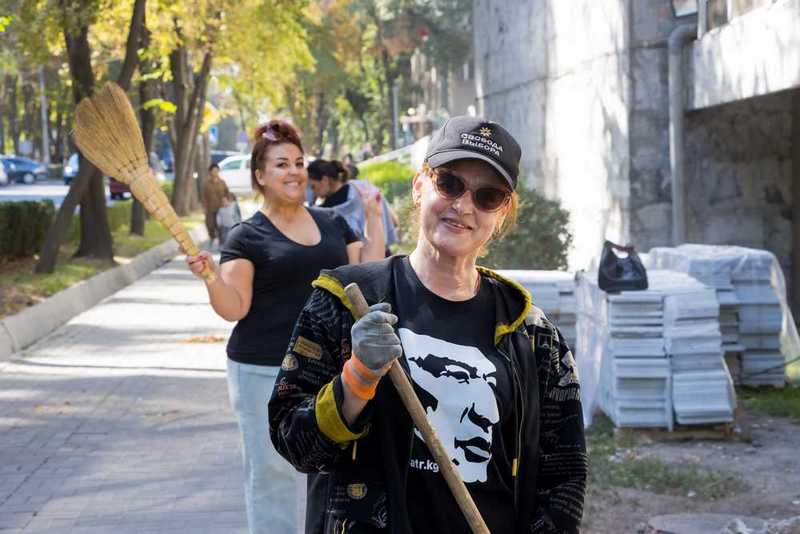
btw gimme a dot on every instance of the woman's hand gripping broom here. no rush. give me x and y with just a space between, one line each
406 391
107 133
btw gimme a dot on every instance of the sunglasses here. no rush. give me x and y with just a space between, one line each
451 186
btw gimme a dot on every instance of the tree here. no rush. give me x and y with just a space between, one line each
87 187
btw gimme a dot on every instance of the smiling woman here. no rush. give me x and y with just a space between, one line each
494 375
267 265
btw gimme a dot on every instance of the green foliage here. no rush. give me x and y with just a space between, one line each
406 233
783 402
627 466
119 217
167 188
391 177
24 226
540 240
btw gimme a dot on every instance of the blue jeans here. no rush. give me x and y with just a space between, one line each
270 482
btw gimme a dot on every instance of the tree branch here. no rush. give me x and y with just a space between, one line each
132 46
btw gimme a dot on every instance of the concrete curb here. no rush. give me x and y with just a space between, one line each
21 330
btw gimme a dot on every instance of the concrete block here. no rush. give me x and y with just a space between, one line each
649 75
755 54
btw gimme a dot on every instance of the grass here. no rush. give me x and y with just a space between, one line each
615 463
783 402
20 288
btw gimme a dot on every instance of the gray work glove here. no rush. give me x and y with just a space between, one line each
374 340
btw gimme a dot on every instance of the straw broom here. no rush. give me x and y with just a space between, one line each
107 133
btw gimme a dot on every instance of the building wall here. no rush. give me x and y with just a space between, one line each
650 175
557 75
739 175
755 54
583 85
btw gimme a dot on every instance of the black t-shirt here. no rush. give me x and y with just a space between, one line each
339 197
466 387
284 270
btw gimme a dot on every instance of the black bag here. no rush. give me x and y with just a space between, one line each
620 274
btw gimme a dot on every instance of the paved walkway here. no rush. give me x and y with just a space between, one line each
119 421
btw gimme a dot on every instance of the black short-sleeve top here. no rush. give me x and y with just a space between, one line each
284 270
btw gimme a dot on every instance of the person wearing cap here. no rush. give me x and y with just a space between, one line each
497 380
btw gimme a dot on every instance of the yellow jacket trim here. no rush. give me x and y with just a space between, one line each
329 420
334 286
504 328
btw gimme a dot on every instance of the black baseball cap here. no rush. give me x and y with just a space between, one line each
467 137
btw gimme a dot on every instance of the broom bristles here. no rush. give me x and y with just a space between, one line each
107 133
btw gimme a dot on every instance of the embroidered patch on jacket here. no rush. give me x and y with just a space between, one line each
569 370
306 347
356 491
289 363
544 340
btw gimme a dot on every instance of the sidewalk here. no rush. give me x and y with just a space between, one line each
119 421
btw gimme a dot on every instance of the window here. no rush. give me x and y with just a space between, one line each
230 165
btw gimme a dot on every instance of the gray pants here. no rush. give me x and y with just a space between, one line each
271 485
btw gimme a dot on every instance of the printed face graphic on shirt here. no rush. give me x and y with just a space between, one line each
458 397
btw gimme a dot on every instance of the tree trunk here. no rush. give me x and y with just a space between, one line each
322 123
96 241
11 95
202 160
147 91
2 119
28 114
189 100
87 187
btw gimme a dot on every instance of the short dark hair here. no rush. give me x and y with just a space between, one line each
212 167
319 168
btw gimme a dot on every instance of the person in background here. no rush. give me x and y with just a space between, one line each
332 185
228 215
214 190
349 163
267 265
493 374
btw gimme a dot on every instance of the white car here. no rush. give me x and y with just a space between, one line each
3 175
235 171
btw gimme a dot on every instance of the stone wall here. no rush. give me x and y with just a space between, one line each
739 168
557 75
650 175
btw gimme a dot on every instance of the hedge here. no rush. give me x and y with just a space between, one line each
24 226
119 215
391 177
541 239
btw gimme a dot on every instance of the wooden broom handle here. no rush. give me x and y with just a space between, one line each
420 418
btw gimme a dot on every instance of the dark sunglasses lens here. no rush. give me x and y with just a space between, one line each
449 185
490 198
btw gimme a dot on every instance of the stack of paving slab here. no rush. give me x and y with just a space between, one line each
660 352
702 389
751 315
554 293
634 387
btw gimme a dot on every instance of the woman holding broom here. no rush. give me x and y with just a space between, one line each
494 375
267 265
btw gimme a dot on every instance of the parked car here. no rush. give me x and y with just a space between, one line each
218 155
23 170
3 175
235 171
117 190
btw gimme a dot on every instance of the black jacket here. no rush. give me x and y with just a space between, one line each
358 474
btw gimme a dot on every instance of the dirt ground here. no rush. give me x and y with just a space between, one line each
764 452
